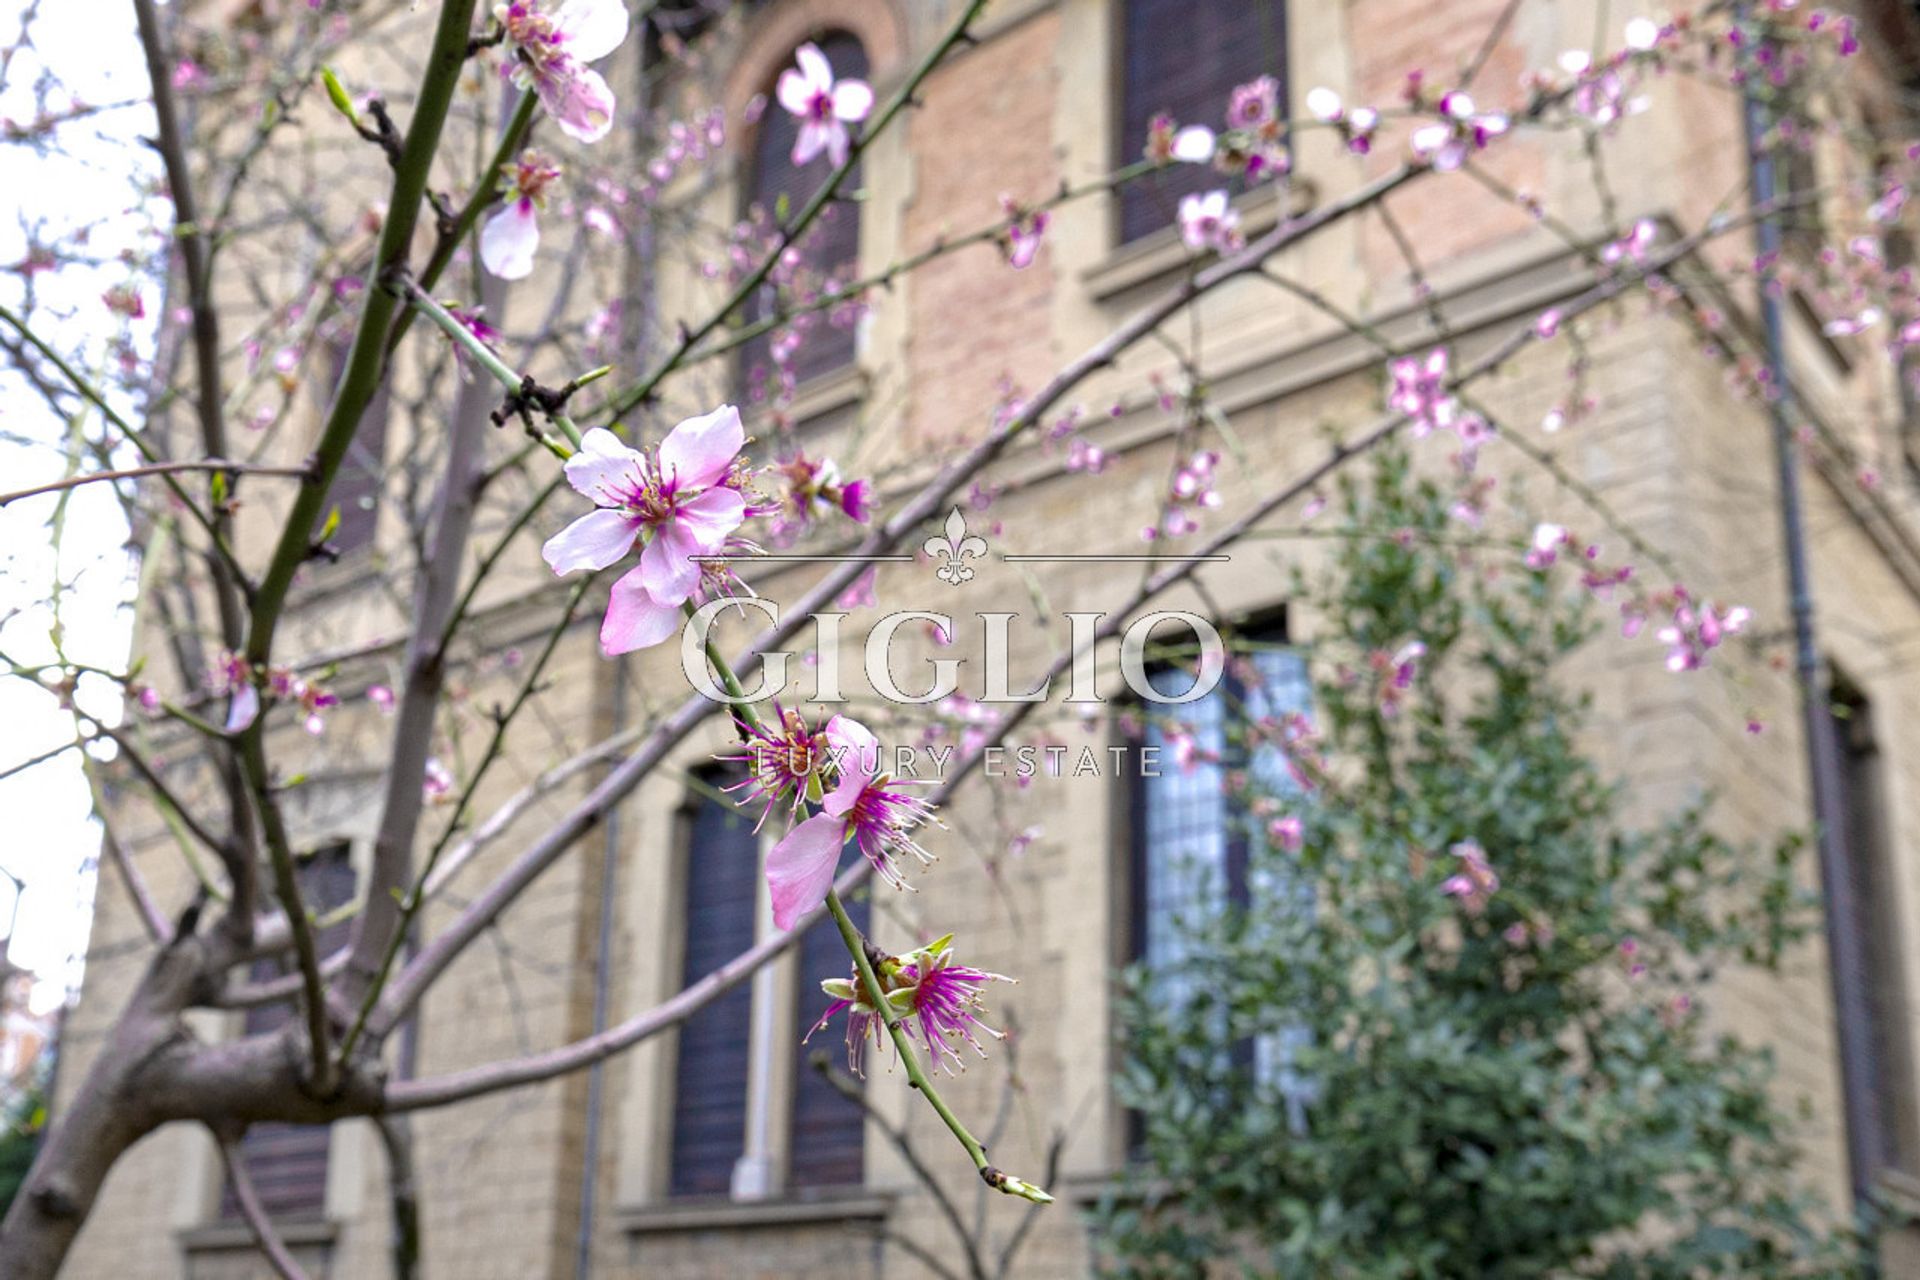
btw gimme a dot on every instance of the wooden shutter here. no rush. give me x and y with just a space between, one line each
288 1162
710 1077
833 245
1184 57
829 1131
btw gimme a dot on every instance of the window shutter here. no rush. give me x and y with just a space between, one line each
829 1131
1184 57
288 1162
833 243
710 1080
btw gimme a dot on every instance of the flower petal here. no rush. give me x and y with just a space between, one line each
800 868
592 28
711 516
699 450
794 93
635 620
667 567
508 241
245 709
594 541
814 65
837 142
857 750
813 138
1193 144
579 101
852 100
605 470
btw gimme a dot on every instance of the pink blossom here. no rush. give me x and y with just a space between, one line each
859 593
1462 131
679 502
1696 630
1543 547
1026 229
1420 391
1193 145
551 52
436 783
510 237
1255 104
1475 882
866 806
233 676
126 300
933 999
1209 222
823 106
380 696
1290 833
786 760
815 490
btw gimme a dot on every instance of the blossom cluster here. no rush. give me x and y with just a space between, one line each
234 678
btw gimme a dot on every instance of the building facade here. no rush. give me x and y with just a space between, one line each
717 1149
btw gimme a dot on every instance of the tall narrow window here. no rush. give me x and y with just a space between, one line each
1890 1104
1184 57
829 1130
710 1077
831 251
287 1163
1192 841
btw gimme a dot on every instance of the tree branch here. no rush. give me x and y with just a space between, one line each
255 1214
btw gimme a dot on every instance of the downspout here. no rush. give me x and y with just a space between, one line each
1846 949
639 326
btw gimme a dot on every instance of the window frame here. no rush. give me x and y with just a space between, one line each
1125 148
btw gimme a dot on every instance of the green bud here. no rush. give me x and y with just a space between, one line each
338 93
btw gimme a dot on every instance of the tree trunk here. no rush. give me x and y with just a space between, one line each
104 1118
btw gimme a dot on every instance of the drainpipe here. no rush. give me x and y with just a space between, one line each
1846 949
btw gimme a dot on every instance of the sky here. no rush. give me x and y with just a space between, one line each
48 841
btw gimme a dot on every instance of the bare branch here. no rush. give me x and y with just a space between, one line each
152 469
255 1214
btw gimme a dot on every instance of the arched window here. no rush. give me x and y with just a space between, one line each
832 247
1184 57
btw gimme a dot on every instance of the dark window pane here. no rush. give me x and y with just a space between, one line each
833 244
1890 1103
1192 843
710 1078
828 1130
1184 57
288 1162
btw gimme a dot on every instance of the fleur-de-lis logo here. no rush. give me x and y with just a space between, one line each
954 548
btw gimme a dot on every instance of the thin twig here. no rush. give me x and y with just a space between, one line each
152 469
255 1214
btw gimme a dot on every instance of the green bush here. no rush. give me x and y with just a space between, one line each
1522 1089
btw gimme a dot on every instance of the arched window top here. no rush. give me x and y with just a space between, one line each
832 249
